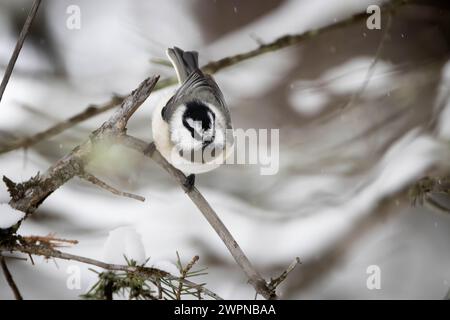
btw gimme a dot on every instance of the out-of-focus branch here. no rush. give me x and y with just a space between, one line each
89 112
315 270
23 34
357 95
211 67
94 180
27 196
153 273
49 240
10 279
422 192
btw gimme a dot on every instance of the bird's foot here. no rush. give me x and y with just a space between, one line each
189 182
150 149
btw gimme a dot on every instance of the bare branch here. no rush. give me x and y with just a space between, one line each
355 97
49 240
94 180
12 257
183 274
23 34
29 195
274 283
10 279
89 112
422 190
153 273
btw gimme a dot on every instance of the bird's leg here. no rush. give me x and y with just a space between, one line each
189 182
150 149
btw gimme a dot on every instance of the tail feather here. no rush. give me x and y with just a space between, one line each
184 62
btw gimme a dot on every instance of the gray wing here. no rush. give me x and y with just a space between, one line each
198 86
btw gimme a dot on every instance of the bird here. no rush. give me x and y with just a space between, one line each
193 130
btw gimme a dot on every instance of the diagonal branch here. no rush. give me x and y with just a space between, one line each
27 196
274 283
370 71
90 112
23 34
254 278
10 279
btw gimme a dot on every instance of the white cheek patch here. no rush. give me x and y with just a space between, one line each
190 122
179 135
182 139
176 125
196 126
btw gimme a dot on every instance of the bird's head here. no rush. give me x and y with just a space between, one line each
198 131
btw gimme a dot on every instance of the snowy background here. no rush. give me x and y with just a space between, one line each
338 200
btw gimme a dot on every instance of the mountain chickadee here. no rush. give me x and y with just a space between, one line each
193 130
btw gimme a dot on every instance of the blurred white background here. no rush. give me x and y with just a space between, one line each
338 201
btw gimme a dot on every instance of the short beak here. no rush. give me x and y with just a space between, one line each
207 141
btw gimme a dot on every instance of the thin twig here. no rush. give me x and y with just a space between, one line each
23 34
10 279
183 274
94 180
160 290
423 189
153 273
90 111
350 103
435 205
355 97
12 257
274 283
50 240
